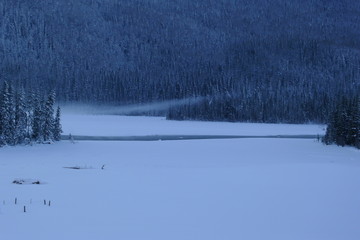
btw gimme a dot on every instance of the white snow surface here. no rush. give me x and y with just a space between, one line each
252 189
116 125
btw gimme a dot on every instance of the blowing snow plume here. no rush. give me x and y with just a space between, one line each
133 109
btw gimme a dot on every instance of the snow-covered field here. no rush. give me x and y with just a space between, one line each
200 189
112 125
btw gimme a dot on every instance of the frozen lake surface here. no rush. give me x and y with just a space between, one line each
112 125
204 189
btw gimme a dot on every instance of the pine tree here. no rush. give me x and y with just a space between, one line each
37 119
57 130
2 140
329 137
344 126
48 116
8 115
357 124
340 125
21 118
24 119
31 102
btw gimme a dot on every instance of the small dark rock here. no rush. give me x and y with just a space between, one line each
26 181
18 181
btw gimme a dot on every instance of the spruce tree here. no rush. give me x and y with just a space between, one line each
2 141
329 137
344 125
8 115
21 116
57 130
37 119
24 119
30 107
357 124
340 125
48 116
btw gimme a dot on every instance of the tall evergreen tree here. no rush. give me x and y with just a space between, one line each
356 130
21 118
2 140
8 115
24 119
48 116
37 119
57 126
344 125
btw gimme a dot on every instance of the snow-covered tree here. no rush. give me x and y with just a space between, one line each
21 118
344 125
26 118
8 115
37 119
57 130
48 118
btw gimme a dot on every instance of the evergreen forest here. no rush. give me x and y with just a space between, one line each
257 61
344 124
27 118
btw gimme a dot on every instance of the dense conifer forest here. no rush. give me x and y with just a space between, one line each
27 118
259 61
344 124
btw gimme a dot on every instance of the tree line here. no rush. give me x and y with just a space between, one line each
27 118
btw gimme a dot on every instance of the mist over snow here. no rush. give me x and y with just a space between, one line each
115 125
112 109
